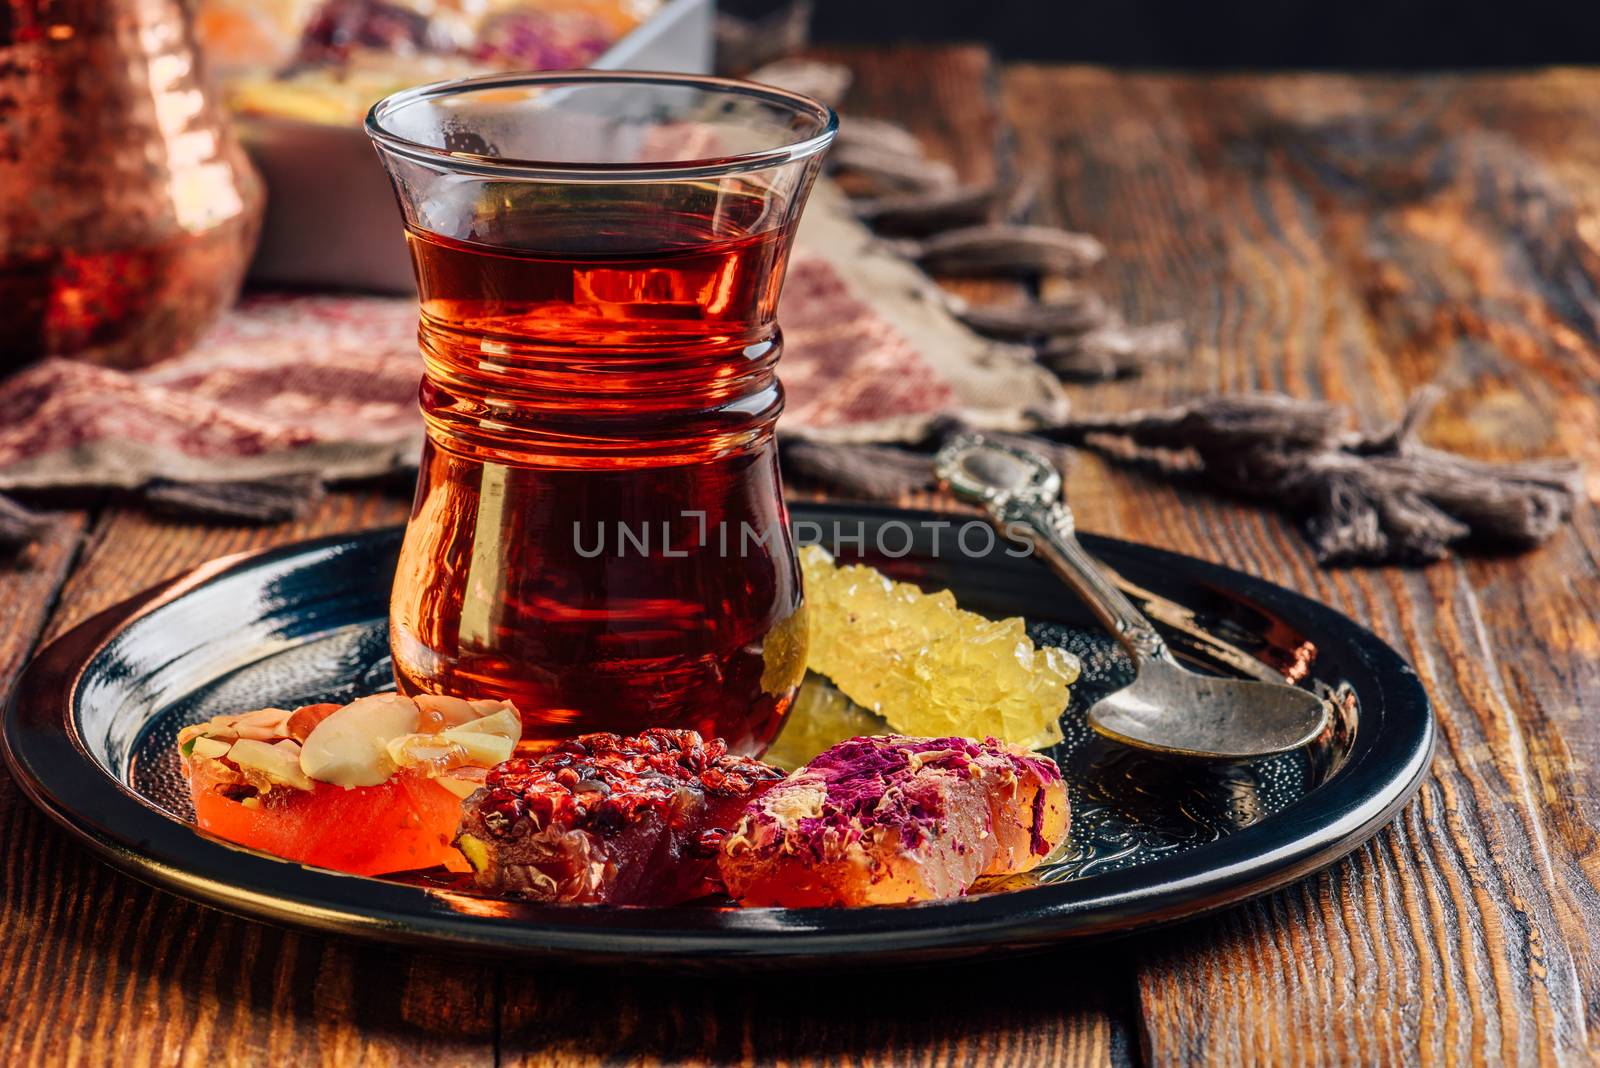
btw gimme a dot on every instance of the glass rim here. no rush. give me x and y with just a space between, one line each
568 171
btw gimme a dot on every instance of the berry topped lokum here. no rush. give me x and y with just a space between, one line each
607 819
886 820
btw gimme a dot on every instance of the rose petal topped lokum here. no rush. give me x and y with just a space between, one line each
607 819
885 820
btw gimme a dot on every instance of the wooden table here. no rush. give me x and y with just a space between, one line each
1339 237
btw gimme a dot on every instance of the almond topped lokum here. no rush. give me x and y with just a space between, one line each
887 820
607 819
370 787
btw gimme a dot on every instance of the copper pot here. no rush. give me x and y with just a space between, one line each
127 210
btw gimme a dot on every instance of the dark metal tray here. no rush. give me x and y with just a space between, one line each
89 735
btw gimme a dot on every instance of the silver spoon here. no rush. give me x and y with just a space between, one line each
1167 707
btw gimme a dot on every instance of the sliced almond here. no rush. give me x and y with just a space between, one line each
256 732
263 717
264 724
483 749
462 788
211 728
350 747
193 730
504 724
427 751
212 748
258 759
452 710
303 720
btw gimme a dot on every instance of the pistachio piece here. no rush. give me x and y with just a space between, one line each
278 767
474 849
350 747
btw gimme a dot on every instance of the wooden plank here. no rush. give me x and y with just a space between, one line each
1043 1010
130 550
29 584
98 968
948 98
1351 239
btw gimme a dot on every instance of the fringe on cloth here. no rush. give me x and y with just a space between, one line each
19 527
1360 498
270 500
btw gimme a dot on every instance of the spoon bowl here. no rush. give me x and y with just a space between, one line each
1167 708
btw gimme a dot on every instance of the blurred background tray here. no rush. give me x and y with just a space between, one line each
331 218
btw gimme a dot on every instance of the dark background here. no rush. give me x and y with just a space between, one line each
1359 34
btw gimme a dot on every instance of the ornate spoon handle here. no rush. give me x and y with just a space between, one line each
1055 538
1020 489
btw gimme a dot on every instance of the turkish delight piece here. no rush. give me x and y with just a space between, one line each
603 819
890 820
370 788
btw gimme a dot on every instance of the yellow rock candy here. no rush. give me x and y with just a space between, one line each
925 665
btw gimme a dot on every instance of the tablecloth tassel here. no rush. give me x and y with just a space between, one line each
19 526
1362 498
271 500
